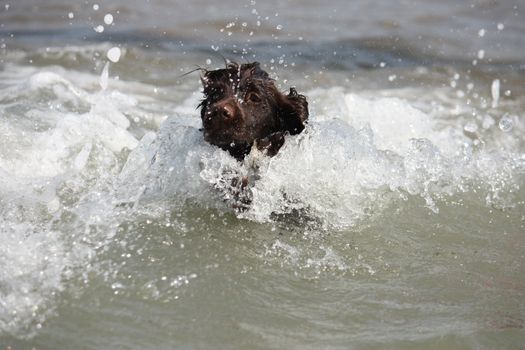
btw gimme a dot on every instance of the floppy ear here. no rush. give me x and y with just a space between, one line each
255 71
293 112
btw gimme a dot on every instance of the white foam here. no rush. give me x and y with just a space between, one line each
339 170
80 118
33 262
383 115
70 159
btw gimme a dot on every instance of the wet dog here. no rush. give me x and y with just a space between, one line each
242 108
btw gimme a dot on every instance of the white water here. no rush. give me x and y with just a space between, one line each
75 161
352 162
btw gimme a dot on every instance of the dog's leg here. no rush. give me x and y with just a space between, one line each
271 144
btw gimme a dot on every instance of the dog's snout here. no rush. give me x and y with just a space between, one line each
226 111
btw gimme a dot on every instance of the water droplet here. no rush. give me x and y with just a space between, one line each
279 27
114 54
501 26
481 33
117 285
104 77
506 123
481 54
208 61
494 89
99 29
96 7
71 15
108 18
471 127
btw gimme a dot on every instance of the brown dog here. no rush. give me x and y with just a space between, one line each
242 108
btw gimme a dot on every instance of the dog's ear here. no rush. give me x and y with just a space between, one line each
255 71
293 112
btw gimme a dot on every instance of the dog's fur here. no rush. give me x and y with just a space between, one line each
242 108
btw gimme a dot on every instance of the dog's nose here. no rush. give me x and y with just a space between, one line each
226 111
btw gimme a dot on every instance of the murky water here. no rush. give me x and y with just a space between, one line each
396 220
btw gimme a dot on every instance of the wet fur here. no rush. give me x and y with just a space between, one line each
242 108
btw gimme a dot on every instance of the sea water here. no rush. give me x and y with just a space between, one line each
395 220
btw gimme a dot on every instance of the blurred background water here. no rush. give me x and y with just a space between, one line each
395 221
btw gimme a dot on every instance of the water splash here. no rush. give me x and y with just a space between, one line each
97 158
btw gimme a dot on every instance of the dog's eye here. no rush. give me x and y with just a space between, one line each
253 97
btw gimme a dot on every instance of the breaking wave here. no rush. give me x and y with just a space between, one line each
77 160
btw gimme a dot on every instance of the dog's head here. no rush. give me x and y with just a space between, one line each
241 105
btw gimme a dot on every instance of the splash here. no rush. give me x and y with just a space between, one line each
61 149
340 170
76 162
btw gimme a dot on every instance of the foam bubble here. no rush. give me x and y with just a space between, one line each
506 123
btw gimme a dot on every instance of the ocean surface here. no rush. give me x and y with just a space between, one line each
396 220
